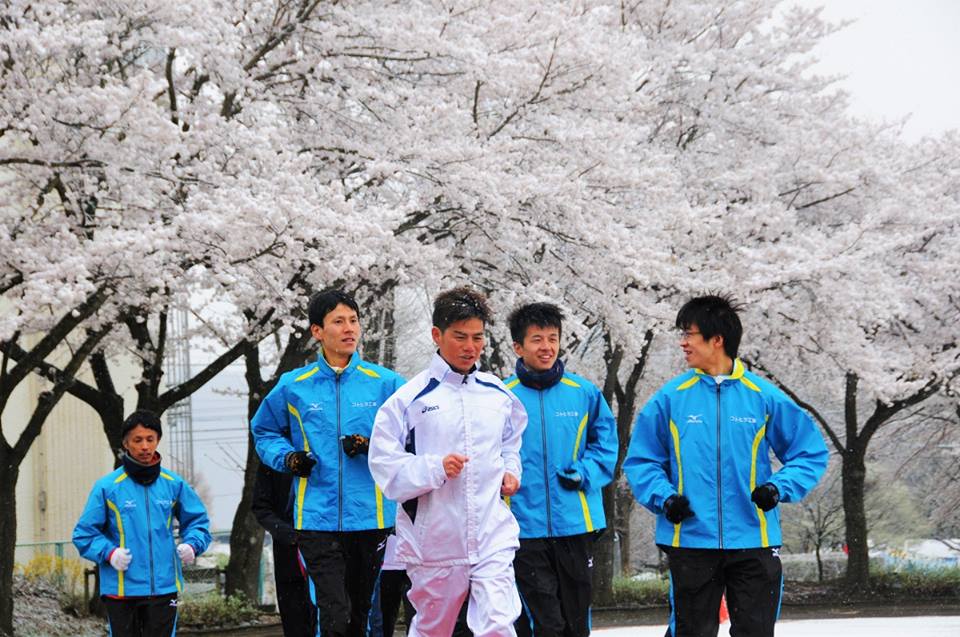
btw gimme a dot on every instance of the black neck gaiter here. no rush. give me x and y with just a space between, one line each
539 380
145 474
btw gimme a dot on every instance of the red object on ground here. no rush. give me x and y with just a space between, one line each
724 614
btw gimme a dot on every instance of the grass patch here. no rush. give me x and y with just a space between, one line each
924 584
634 592
64 573
212 610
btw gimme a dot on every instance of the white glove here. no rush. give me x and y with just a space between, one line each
185 551
120 559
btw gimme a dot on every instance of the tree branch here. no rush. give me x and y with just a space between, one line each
837 443
827 198
49 399
54 337
77 163
884 412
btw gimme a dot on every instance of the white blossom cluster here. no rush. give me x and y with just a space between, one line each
615 157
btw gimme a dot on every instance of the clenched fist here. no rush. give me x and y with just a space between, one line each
453 464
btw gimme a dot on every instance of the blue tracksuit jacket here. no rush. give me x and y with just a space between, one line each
570 425
124 513
310 409
711 442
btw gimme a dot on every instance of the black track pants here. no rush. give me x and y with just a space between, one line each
554 576
344 568
297 612
394 586
751 578
142 616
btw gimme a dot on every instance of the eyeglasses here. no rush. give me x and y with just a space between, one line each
686 334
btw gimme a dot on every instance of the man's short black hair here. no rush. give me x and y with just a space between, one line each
539 314
323 302
459 304
713 314
144 418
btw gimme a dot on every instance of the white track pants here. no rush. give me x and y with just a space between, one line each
438 593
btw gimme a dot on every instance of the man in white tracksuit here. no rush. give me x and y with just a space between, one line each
446 447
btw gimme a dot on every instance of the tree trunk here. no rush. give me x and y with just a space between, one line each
855 518
625 503
603 566
379 334
622 398
9 472
853 451
12 456
246 537
819 564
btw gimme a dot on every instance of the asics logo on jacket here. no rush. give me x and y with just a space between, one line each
454 521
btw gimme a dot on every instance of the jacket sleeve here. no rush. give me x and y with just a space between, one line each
401 475
192 516
798 444
599 458
88 534
649 455
264 506
513 436
271 430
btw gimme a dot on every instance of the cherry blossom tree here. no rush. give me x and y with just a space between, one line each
152 168
612 157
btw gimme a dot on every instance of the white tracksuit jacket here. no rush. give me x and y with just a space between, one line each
462 520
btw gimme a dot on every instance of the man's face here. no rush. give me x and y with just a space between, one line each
460 344
141 443
700 353
340 333
540 347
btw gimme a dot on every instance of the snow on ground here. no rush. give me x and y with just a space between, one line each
853 627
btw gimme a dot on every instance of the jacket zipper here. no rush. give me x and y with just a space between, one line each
719 489
546 482
467 480
146 500
339 464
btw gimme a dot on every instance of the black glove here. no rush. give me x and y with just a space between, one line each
300 463
677 509
766 496
570 478
354 444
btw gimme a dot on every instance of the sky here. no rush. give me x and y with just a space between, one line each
899 59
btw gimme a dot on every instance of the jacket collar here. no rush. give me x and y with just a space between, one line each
539 380
327 370
441 370
145 474
736 374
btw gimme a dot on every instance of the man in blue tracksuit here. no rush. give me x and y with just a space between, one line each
569 452
315 423
127 529
699 458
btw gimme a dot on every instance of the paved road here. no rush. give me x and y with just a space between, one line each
853 627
